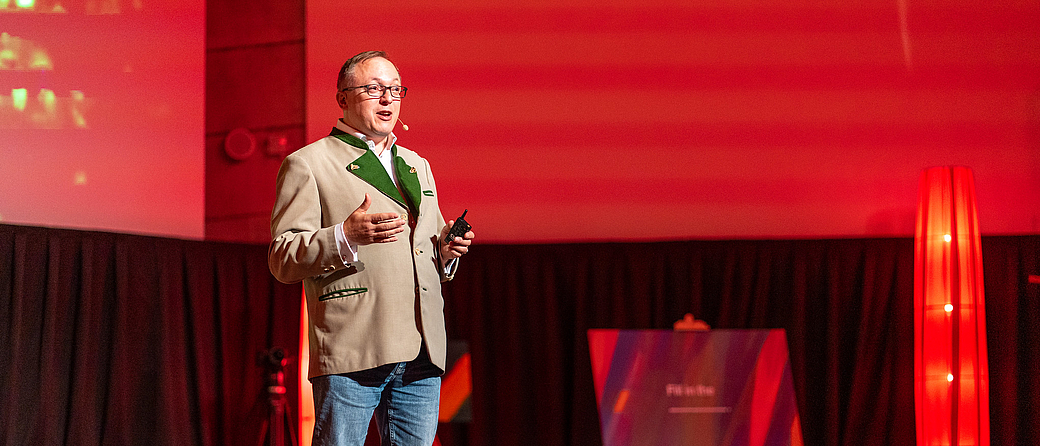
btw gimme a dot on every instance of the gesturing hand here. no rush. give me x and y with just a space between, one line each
363 228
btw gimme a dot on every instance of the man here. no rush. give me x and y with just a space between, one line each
356 218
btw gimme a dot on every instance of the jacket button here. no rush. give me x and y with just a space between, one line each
418 251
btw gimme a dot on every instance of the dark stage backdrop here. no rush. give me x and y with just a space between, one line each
132 340
846 305
119 339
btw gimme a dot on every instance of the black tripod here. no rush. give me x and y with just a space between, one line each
278 420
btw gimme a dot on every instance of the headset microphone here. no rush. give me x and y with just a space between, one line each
403 125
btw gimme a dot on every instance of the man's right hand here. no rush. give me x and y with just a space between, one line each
362 228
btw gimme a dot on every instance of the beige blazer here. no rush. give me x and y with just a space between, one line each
378 310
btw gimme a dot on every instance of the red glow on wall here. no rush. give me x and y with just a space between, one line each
568 120
951 379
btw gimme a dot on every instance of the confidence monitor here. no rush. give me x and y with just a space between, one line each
719 387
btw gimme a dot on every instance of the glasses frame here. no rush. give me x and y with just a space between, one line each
382 89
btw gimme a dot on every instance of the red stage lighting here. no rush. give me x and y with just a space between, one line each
951 379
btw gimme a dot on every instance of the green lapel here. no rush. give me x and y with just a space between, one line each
409 180
368 168
348 138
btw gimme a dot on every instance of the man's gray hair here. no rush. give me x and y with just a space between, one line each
346 73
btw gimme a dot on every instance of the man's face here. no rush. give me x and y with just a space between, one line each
375 117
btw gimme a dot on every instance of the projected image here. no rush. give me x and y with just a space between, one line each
101 115
59 7
40 107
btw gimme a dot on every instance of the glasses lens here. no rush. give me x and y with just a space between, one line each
375 90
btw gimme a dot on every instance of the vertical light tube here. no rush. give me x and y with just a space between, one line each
951 378
306 417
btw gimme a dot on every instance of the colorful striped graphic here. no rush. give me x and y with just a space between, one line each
721 387
456 388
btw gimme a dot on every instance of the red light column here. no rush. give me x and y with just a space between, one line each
951 379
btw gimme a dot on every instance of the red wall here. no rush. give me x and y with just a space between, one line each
550 121
558 121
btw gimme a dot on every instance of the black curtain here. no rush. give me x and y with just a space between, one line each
124 339
846 306
1013 334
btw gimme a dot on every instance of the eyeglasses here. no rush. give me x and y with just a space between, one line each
376 91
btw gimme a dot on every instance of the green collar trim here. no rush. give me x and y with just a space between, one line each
409 179
370 169
348 138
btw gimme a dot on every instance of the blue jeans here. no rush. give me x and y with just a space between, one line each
405 412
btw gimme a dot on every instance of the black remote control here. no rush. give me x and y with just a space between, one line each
459 229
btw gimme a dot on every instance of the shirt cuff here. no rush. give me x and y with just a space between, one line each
347 251
449 269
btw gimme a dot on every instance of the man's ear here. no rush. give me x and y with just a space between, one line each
341 99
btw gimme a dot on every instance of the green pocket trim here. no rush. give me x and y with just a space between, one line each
428 193
342 293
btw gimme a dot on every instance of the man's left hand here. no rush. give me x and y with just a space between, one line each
454 248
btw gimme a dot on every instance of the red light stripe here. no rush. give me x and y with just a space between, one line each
456 388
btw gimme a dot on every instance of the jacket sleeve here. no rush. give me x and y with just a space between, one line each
448 272
300 246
